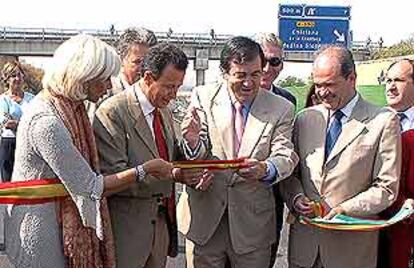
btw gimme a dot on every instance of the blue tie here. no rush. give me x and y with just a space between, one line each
402 116
334 131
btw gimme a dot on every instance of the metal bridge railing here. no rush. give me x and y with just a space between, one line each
51 34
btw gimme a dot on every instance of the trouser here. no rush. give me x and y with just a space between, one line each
317 264
216 252
383 260
159 247
7 148
279 224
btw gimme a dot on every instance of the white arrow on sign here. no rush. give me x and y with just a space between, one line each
340 37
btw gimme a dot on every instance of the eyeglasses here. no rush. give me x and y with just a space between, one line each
274 61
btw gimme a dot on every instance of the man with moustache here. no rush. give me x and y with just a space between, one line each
398 240
350 156
132 127
234 219
273 52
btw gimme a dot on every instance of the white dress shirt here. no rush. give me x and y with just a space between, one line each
408 122
346 110
146 106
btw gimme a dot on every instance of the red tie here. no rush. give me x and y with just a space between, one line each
159 135
168 202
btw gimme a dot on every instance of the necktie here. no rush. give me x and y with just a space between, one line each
333 133
168 202
402 117
159 135
238 126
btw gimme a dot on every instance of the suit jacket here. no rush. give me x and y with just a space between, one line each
361 174
124 140
284 93
250 206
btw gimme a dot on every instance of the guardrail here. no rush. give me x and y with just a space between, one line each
110 36
59 35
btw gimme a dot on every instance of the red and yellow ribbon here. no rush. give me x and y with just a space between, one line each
31 192
212 164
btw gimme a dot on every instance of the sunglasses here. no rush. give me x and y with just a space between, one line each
274 61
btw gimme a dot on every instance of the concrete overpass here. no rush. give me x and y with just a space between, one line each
200 47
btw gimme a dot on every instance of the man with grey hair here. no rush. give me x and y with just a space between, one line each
132 46
350 157
273 52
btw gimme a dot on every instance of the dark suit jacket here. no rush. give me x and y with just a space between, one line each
284 93
279 208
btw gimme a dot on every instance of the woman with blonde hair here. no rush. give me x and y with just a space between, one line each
12 104
55 141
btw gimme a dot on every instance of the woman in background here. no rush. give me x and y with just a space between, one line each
311 98
12 104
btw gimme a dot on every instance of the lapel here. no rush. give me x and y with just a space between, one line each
351 129
140 123
255 125
168 131
315 128
222 115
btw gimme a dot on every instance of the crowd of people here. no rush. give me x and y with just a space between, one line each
102 127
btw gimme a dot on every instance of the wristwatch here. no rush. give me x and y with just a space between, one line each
139 173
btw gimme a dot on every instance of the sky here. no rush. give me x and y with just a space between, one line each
387 19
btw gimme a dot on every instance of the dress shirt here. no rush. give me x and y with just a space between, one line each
346 110
408 122
147 108
271 171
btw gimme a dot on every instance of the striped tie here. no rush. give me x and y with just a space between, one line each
238 126
334 131
402 116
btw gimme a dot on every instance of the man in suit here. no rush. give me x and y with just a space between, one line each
397 242
273 52
234 218
350 156
131 46
132 127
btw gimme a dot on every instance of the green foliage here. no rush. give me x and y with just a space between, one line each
374 94
403 48
291 81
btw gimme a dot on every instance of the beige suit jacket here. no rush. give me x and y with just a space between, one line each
124 140
250 206
361 174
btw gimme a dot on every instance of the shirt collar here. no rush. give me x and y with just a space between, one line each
146 106
246 105
349 107
410 114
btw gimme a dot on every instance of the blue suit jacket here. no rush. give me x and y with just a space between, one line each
284 93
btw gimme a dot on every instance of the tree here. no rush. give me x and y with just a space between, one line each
291 81
403 48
